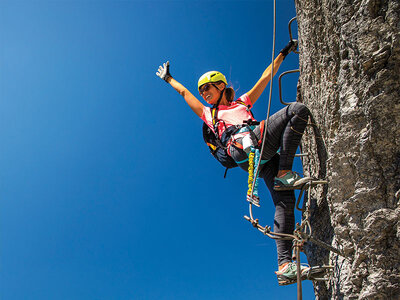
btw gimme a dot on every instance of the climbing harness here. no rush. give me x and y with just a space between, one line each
218 145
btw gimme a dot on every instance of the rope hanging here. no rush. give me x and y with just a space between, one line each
303 232
257 171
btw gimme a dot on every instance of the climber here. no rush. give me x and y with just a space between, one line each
284 131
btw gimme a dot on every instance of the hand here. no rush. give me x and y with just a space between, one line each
163 72
290 47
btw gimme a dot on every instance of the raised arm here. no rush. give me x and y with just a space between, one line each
261 84
192 101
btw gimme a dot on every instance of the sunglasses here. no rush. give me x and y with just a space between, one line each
205 88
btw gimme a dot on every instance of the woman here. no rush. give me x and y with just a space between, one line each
284 131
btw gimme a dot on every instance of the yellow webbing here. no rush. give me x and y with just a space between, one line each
251 173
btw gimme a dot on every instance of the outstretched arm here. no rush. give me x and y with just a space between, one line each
261 84
192 101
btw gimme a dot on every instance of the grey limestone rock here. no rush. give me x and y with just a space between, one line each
350 80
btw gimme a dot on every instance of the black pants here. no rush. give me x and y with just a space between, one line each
285 129
284 202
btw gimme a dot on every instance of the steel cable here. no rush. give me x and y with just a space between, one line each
269 105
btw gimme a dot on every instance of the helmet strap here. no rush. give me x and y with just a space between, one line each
215 114
220 96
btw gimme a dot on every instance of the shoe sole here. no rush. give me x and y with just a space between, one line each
313 274
283 280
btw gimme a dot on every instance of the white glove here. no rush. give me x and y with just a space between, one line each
163 72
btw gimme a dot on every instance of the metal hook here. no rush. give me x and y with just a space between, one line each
280 84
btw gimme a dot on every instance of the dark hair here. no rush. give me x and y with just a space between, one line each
230 94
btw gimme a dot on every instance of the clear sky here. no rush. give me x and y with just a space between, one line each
107 189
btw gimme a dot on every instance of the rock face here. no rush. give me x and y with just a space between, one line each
350 80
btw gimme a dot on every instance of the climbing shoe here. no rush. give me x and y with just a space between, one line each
290 181
288 274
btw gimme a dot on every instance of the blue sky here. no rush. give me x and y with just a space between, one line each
107 189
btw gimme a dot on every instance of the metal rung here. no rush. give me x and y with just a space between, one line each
307 185
290 32
280 85
301 154
319 273
316 182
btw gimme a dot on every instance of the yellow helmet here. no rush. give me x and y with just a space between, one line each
212 76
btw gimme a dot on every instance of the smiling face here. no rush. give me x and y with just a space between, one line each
211 92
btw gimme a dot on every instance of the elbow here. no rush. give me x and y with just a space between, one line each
183 92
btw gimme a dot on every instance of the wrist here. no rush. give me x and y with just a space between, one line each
284 52
281 56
